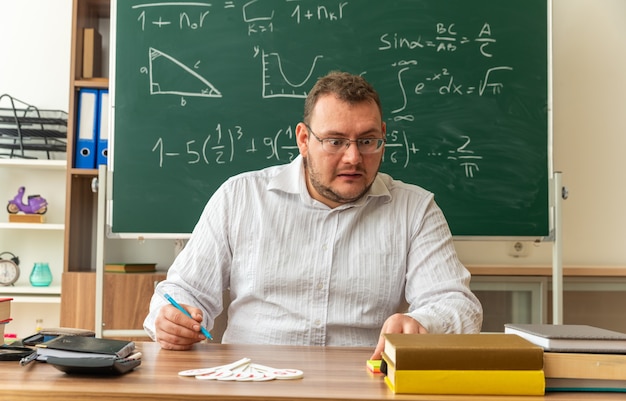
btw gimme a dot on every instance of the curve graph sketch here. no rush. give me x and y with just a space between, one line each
275 80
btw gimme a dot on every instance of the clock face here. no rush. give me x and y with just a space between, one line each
9 272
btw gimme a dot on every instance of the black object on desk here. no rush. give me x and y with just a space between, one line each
11 353
94 366
48 334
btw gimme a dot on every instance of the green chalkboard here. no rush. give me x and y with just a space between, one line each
203 91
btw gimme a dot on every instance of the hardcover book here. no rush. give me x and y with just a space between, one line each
130 267
586 385
470 382
92 49
5 308
2 324
570 337
462 352
566 365
85 347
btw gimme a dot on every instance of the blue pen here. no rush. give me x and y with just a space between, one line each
180 308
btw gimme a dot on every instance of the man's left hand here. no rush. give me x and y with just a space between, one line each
397 323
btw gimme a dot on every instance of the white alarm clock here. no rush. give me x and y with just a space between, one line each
9 269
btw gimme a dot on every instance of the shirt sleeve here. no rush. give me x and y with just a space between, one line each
437 287
199 273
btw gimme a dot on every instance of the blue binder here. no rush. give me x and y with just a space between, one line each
87 128
103 127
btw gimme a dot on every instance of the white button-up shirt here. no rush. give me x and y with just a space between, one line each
302 273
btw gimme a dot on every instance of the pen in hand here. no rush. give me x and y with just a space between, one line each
180 308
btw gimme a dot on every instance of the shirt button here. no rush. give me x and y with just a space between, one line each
324 247
320 286
317 322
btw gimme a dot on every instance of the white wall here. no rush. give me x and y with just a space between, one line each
35 51
590 122
589 69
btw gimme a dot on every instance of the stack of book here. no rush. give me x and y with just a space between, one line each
578 357
478 364
5 314
130 267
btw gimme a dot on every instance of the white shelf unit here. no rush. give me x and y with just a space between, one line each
34 242
30 226
30 294
37 164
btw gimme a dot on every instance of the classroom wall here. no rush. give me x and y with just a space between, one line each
589 111
590 127
35 51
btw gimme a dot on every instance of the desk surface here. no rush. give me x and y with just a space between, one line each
329 374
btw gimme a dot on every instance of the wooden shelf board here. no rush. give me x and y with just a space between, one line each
568 271
84 172
100 83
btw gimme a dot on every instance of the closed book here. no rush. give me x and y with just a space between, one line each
92 53
584 366
585 385
85 347
5 308
129 267
3 323
462 351
570 337
470 382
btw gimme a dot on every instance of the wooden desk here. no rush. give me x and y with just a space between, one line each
329 374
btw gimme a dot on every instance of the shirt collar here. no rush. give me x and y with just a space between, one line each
291 180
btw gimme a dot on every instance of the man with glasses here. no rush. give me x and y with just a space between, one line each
323 250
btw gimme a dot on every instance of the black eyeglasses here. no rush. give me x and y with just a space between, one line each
337 145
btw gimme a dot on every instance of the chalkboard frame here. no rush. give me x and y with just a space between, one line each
545 233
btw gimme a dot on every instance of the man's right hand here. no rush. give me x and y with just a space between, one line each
175 331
